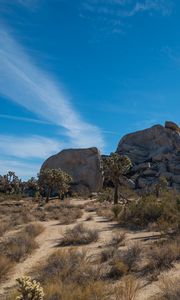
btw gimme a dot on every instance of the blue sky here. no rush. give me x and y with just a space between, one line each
81 73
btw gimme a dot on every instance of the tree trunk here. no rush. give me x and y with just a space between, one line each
48 195
116 195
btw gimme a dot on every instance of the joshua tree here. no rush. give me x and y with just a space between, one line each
161 185
115 166
54 179
10 183
32 186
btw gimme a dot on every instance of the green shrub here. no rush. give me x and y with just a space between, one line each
106 194
165 212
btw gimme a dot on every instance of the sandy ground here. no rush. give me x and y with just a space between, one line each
51 235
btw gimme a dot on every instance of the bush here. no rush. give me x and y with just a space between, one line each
22 244
170 288
118 240
118 269
33 230
106 195
79 235
65 214
149 209
5 225
92 291
71 266
128 289
116 209
5 266
161 257
131 256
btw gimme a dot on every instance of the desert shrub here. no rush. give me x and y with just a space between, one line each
89 218
68 266
116 209
118 269
79 235
106 194
5 225
128 289
22 218
161 257
118 239
17 247
65 214
33 230
121 262
92 291
107 254
170 288
105 212
149 209
5 266
132 255
29 289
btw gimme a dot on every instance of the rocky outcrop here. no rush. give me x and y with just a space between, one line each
84 165
154 152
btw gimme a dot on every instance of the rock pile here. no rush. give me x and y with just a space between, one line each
155 153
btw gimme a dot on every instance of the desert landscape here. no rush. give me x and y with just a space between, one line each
95 232
89 150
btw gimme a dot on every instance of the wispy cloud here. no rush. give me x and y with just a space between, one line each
24 3
113 14
172 54
29 147
27 85
24 169
22 119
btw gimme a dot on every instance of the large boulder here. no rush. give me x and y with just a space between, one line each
84 165
154 152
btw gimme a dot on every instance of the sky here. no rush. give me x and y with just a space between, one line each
82 73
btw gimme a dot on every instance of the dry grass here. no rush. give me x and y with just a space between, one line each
162 256
67 267
79 235
170 288
121 262
132 256
89 218
33 230
105 212
118 239
69 275
117 270
92 291
18 247
5 266
128 289
66 214
24 212
5 225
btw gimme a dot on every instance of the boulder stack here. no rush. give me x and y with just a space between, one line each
154 152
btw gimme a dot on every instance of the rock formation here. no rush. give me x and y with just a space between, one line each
154 152
84 165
